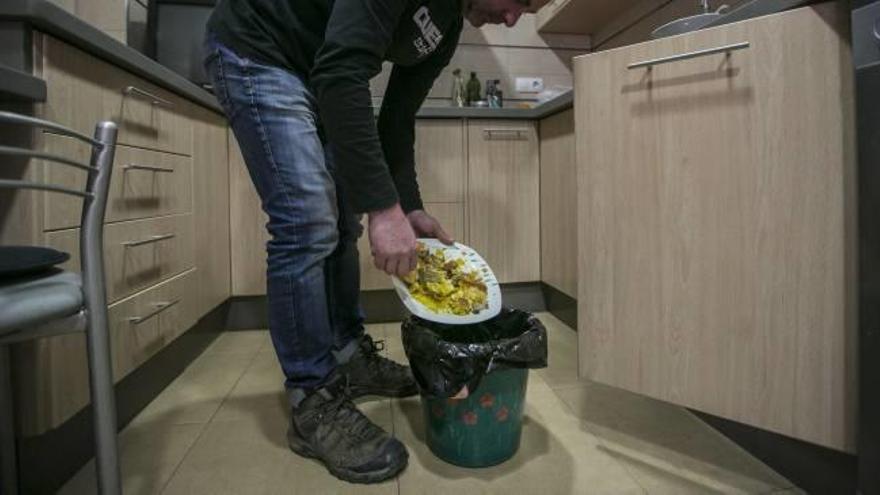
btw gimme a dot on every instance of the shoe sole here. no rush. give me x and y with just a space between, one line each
343 474
360 391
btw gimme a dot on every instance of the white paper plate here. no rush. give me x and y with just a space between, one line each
472 261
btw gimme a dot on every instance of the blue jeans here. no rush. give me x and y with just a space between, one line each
313 274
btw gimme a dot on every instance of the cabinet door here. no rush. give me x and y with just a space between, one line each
440 160
716 223
503 197
559 203
247 228
211 170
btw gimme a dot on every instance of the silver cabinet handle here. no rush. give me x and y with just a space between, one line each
512 134
160 307
685 56
148 168
155 100
149 240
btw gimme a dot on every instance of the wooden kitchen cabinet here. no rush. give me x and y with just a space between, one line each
166 233
440 160
503 197
211 210
247 228
559 203
716 223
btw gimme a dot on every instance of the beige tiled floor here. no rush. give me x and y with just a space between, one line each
220 429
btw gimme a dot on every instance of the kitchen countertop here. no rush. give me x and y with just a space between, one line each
47 17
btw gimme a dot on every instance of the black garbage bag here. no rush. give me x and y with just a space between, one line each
445 358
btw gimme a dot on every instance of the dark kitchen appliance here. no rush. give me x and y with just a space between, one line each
176 29
866 58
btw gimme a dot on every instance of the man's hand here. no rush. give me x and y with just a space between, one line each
427 226
392 241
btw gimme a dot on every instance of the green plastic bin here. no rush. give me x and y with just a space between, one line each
485 428
492 359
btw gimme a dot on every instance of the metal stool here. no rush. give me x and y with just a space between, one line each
61 301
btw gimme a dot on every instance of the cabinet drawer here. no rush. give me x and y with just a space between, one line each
144 323
150 117
144 184
137 254
83 90
149 183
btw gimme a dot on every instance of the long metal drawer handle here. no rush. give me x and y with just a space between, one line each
155 100
155 238
149 168
517 133
684 56
160 307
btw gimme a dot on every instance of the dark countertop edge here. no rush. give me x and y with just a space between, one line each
52 19
18 86
550 107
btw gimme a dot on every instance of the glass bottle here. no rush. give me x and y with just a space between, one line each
458 91
473 89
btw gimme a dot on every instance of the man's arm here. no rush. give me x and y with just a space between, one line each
357 37
407 89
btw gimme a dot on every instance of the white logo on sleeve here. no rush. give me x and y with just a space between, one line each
431 36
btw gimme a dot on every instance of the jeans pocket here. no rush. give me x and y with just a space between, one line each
214 69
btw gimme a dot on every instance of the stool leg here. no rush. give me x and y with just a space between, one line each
8 462
103 404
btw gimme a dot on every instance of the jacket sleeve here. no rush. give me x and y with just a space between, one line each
357 36
407 89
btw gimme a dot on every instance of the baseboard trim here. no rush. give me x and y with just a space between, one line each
815 469
561 305
47 461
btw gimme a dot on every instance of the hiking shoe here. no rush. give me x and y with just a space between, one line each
327 426
369 373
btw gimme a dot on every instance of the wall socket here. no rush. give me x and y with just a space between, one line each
529 84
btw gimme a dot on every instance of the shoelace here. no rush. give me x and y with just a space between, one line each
376 360
348 417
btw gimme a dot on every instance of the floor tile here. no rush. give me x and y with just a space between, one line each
665 447
197 393
148 457
557 455
562 359
252 457
259 394
239 342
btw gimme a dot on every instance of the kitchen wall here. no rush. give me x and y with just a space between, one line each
107 15
635 25
498 52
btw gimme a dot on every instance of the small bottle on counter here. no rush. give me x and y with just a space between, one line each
458 92
499 95
490 92
473 89
493 90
